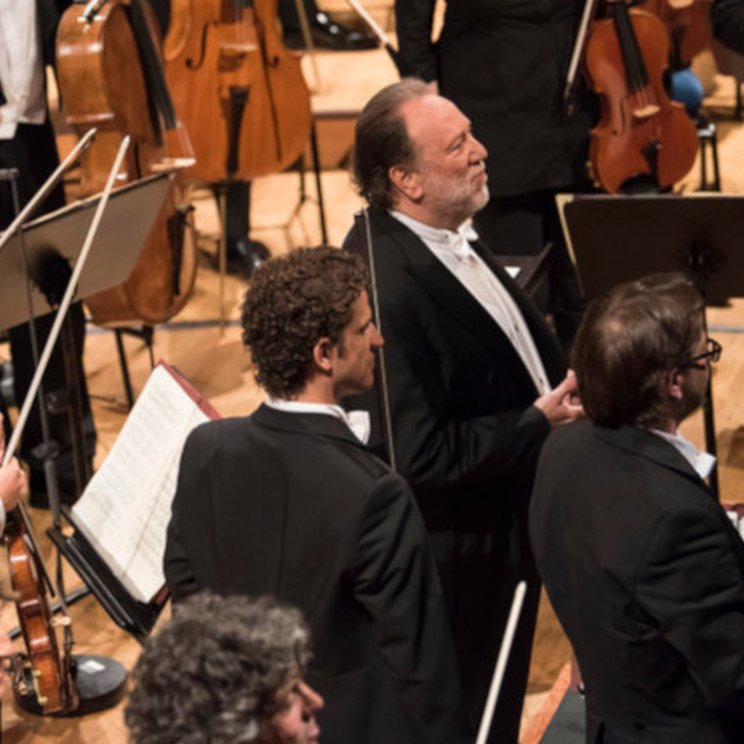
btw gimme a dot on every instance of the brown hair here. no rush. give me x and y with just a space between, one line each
382 141
629 340
292 302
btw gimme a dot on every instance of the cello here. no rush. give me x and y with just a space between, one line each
110 76
641 134
240 92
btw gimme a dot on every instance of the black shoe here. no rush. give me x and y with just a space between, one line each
330 34
244 256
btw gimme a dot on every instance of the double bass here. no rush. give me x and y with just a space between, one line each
641 134
111 77
240 92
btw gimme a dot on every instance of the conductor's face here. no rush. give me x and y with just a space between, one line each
449 176
354 362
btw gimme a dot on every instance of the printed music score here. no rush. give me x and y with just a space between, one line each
124 511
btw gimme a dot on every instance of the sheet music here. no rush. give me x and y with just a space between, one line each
125 508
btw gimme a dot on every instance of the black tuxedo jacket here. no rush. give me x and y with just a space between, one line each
295 506
646 574
467 438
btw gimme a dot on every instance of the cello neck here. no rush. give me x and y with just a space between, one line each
151 64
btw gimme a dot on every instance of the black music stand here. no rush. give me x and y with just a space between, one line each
125 226
613 239
48 241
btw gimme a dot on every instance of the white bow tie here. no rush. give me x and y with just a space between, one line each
360 424
461 247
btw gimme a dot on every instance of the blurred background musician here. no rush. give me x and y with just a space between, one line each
27 31
728 23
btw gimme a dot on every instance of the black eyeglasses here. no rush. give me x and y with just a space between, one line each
711 355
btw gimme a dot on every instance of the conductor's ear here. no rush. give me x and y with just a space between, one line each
407 181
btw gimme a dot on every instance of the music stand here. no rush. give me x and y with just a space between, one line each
60 237
613 239
125 226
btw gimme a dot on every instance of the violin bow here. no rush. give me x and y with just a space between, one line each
569 89
363 221
377 30
66 300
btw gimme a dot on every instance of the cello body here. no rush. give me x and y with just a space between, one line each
641 132
240 92
102 84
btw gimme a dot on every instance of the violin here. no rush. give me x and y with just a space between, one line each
51 673
111 77
241 93
641 134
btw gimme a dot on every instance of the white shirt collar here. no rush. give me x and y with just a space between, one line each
357 421
702 462
456 241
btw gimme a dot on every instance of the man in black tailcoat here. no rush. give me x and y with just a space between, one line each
642 565
290 502
474 375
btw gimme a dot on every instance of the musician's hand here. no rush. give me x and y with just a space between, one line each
6 650
562 405
13 484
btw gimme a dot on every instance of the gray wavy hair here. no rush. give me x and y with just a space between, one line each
212 673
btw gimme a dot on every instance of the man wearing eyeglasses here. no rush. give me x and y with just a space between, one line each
642 565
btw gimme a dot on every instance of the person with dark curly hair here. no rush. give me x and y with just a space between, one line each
290 502
224 670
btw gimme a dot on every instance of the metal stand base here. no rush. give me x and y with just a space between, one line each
101 682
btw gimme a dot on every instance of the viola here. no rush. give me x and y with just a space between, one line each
51 672
641 132
240 92
111 77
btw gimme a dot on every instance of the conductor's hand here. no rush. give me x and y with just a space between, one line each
12 484
562 405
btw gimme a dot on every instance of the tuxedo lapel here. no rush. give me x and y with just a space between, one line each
442 287
545 340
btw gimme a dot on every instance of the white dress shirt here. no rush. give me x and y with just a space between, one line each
357 421
702 462
453 249
21 67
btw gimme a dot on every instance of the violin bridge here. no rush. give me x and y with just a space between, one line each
649 110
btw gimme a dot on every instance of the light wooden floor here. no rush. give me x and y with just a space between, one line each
215 361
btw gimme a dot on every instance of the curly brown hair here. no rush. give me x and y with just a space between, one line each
292 303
